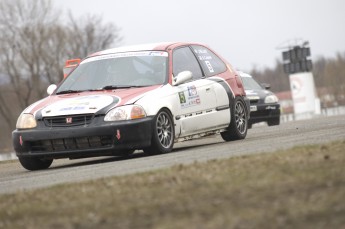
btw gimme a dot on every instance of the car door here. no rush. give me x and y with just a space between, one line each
197 98
213 68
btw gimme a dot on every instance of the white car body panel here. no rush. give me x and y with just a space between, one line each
193 106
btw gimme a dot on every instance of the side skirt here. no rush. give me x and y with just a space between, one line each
200 135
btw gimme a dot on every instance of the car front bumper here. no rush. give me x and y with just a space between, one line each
264 112
99 138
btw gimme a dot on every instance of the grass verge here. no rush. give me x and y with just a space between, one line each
303 187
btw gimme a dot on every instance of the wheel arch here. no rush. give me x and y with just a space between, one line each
163 132
176 124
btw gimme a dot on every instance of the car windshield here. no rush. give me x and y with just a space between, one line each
250 84
120 70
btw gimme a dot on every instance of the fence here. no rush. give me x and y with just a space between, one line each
324 112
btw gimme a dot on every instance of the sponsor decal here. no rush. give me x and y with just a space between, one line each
191 99
205 57
202 54
192 91
200 51
125 54
153 53
182 97
270 108
77 108
78 105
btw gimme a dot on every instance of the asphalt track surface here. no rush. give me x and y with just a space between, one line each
14 178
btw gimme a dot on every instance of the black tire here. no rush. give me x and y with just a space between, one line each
239 122
33 163
250 125
273 122
163 134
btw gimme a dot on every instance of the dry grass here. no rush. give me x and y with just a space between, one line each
299 188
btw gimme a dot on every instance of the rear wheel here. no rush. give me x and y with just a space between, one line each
163 134
239 122
33 163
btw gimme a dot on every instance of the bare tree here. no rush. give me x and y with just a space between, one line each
276 77
335 77
25 27
34 44
88 34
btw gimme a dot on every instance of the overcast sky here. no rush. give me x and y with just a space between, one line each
247 33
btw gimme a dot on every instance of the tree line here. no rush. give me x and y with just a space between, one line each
36 39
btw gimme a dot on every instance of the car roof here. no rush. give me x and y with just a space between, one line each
162 46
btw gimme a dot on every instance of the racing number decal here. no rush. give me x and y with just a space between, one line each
209 66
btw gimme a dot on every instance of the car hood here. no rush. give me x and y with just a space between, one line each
257 94
87 102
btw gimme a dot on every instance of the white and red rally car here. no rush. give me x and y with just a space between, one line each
133 98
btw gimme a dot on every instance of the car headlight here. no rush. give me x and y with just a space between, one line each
271 99
125 113
26 121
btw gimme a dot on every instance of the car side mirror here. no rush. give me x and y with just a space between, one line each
266 86
51 89
182 77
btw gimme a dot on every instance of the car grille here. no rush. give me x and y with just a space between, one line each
64 144
254 101
260 113
65 121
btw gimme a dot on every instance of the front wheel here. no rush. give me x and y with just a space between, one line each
163 134
239 121
32 163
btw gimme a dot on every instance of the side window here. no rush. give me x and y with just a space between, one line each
184 60
211 64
